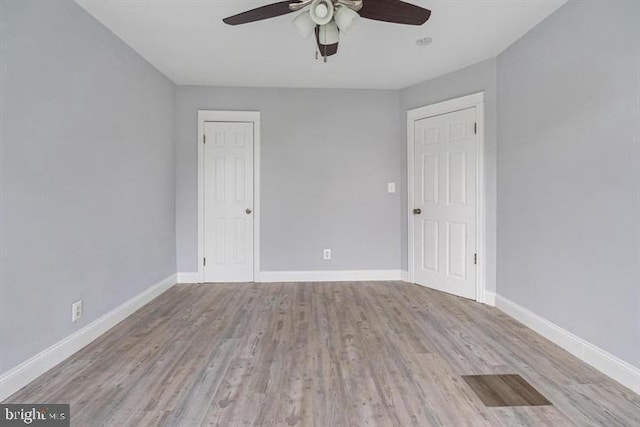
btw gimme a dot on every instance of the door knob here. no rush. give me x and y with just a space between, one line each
417 211
248 211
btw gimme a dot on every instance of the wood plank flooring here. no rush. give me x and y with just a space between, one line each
321 354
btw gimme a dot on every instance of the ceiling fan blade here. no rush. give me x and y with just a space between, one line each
395 11
325 49
260 13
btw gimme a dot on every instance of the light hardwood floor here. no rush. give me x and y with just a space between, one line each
321 354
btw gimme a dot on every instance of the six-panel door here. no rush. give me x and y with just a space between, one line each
445 193
228 202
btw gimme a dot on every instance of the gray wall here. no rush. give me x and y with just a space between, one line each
87 179
473 79
569 173
327 156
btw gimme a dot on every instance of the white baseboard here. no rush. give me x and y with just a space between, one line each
329 276
490 298
314 276
621 371
188 278
18 377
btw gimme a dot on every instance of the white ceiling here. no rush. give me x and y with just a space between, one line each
189 43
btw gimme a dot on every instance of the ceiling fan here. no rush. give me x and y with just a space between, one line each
327 18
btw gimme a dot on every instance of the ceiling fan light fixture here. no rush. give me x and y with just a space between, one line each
328 33
321 11
345 17
330 17
304 24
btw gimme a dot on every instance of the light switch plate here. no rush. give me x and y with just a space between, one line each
391 187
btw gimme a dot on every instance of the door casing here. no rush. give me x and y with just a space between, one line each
474 100
230 116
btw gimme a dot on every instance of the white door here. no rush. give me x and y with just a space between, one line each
445 202
228 202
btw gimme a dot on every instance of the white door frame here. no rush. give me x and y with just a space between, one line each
230 116
456 104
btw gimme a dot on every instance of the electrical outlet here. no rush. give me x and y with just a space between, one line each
76 310
326 254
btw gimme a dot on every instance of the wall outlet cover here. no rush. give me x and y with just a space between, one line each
76 310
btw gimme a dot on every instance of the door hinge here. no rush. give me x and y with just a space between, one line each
204 139
475 128
204 261
475 259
